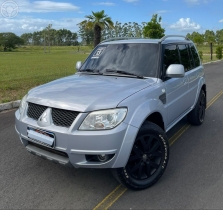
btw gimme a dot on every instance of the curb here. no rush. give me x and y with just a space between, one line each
212 62
9 105
15 104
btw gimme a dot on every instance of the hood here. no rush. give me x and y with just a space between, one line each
84 92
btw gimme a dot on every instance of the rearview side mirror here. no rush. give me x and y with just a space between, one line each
175 71
78 65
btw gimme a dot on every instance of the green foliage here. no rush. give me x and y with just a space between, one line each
9 41
201 55
61 37
219 52
86 34
219 36
153 28
209 36
27 38
130 29
196 38
97 22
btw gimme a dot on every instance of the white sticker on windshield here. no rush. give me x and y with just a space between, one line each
98 52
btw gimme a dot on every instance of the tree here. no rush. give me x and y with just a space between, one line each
9 41
37 38
189 36
153 28
130 29
209 36
196 37
219 36
97 21
48 35
87 35
219 52
27 38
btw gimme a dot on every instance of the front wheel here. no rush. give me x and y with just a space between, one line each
148 159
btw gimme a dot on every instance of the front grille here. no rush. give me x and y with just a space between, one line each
60 117
35 111
63 118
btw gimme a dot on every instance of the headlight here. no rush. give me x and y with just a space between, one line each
103 120
22 104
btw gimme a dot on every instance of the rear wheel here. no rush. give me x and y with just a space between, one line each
196 116
148 159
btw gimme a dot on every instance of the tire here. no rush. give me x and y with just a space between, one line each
197 115
148 159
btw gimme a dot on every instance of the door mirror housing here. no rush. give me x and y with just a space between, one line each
78 65
175 71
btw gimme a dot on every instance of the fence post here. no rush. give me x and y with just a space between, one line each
211 47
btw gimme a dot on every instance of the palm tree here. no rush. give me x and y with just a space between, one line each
97 21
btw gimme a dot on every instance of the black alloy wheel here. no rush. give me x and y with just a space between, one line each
148 159
145 158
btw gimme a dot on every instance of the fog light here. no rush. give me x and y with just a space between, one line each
102 157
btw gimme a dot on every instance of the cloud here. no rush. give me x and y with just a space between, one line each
221 21
130 1
29 24
196 2
104 3
26 6
185 24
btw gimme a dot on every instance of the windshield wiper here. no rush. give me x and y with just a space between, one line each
124 72
90 71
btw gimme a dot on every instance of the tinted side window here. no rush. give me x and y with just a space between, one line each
195 55
171 56
185 59
191 57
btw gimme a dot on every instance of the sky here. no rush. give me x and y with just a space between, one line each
178 16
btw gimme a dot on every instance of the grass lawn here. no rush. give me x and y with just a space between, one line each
207 58
27 67
206 49
30 67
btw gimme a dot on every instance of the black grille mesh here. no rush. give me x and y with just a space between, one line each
35 111
60 117
63 118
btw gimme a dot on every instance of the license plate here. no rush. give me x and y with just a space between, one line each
41 136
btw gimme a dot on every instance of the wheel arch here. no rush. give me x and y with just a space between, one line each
201 86
157 119
205 92
154 117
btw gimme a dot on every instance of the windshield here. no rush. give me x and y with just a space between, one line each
139 59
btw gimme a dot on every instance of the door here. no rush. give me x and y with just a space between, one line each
176 88
194 74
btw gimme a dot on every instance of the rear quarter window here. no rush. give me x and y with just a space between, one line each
195 55
185 58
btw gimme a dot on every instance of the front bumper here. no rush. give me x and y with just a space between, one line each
79 145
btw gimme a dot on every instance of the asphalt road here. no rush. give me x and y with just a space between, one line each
193 179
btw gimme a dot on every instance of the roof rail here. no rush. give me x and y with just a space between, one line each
168 36
121 38
126 38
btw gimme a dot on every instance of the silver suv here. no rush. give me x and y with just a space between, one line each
115 111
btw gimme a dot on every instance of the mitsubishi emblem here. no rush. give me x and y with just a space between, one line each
45 119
